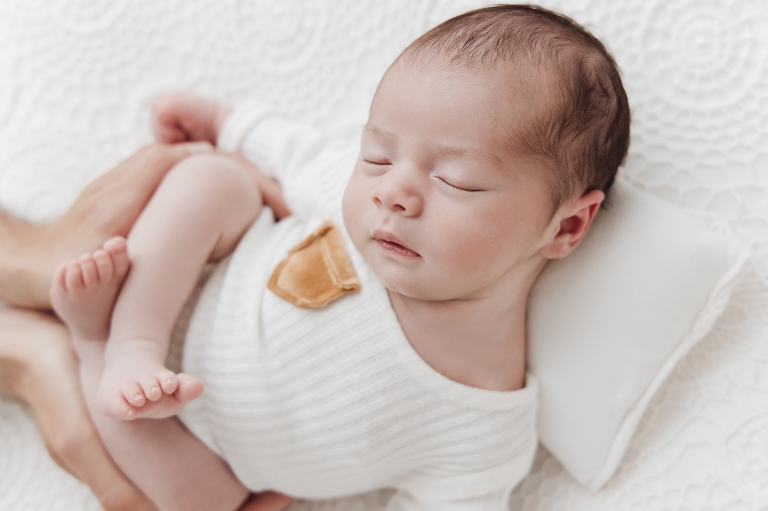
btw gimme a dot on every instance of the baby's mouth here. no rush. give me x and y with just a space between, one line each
391 243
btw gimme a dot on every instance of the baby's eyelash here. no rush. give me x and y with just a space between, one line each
446 183
376 162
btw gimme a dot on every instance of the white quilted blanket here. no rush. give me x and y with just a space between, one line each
76 78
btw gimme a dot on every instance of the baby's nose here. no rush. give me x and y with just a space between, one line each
399 193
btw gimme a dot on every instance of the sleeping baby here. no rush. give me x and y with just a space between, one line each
376 337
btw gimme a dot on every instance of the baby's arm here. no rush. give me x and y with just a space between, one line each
312 165
184 117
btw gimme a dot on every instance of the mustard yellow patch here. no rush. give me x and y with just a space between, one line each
316 271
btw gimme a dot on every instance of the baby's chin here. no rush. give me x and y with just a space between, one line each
397 284
407 283
433 288
414 290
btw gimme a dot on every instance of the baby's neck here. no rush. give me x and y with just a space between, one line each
479 342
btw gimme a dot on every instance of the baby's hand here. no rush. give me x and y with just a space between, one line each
184 117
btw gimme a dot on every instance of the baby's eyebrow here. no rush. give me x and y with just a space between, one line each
441 151
446 152
379 132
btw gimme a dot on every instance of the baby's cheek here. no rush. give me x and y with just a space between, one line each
353 210
476 245
462 248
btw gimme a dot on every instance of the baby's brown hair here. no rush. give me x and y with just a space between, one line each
582 134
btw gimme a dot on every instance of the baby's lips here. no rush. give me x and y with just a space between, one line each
389 238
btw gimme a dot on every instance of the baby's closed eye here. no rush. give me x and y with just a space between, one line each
376 161
455 187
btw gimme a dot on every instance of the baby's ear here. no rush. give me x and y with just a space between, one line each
570 225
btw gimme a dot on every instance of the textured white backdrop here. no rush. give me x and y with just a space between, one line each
77 76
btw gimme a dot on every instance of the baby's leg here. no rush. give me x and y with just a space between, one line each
84 290
83 294
161 457
198 213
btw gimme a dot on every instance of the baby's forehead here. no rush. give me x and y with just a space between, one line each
519 95
509 98
531 85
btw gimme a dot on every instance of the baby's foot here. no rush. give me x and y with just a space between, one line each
136 384
169 405
84 290
134 377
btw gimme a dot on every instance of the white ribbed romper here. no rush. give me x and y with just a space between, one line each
332 402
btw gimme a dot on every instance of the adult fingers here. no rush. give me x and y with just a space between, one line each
158 159
266 501
127 188
271 191
110 204
272 194
199 147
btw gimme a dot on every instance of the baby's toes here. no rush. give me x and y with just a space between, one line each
133 393
190 388
116 405
59 282
58 291
104 266
89 270
151 388
117 248
126 411
74 277
168 381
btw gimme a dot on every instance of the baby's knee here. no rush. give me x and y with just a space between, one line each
123 497
214 178
210 170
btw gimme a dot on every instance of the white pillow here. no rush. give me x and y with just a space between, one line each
608 323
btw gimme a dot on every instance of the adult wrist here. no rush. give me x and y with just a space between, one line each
14 359
23 278
14 377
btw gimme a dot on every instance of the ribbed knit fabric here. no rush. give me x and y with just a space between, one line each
335 401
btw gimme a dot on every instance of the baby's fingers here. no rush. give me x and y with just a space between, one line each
168 132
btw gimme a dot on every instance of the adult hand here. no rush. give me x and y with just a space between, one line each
37 364
266 501
107 207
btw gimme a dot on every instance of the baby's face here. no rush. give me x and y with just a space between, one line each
437 204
